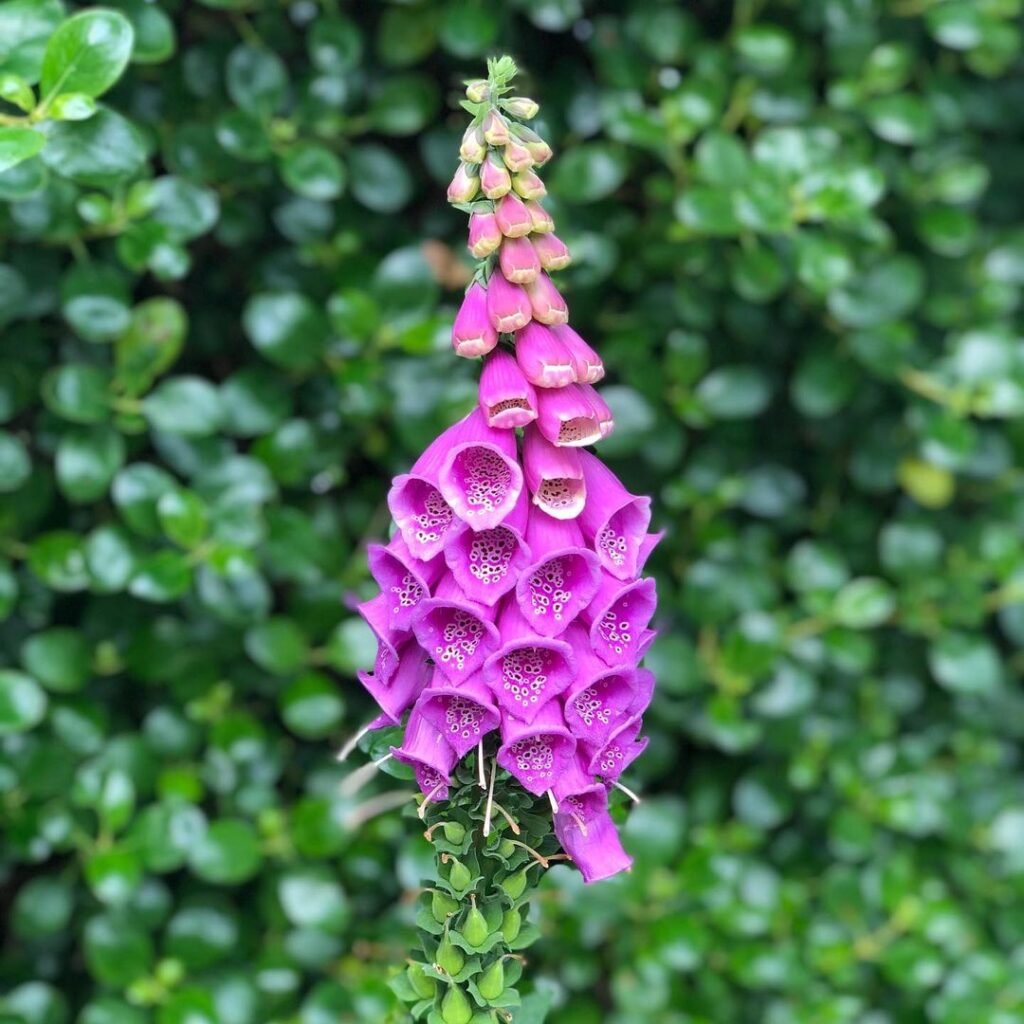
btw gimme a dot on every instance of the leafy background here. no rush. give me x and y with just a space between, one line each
225 291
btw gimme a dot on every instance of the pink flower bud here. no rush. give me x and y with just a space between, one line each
484 234
588 365
495 129
521 106
528 185
543 358
519 262
478 90
513 216
566 416
507 398
552 251
508 306
472 333
473 149
464 185
540 220
605 420
494 177
517 156
539 149
546 302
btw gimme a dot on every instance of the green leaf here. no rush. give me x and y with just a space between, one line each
117 949
887 291
72 106
22 702
380 181
227 854
161 578
77 392
182 516
102 152
864 603
311 706
58 560
589 173
18 144
734 392
86 462
965 663
15 464
277 645
189 406
151 343
95 301
313 171
25 28
286 328
256 79
60 658
16 91
87 53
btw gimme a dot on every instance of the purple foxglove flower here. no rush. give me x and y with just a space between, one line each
587 363
484 235
487 563
522 107
428 753
622 748
566 416
377 615
537 752
552 252
397 694
517 156
480 476
473 149
404 580
514 217
576 777
495 180
618 616
456 633
508 306
553 475
507 398
495 129
588 834
540 220
528 185
614 520
562 578
544 359
605 420
519 262
465 185
463 714
546 302
527 671
473 333
539 149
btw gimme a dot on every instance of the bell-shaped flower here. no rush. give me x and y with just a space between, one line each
527 671
484 236
514 217
566 416
553 475
495 129
473 149
620 750
540 220
614 521
376 613
552 252
429 754
507 398
562 577
456 633
546 302
539 149
487 563
588 834
529 185
544 359
404 580
480 476
518 260
462 714
465 185
536 752
587 363
473 334
603 414
618 616
508 305
517 156
397 693
495 181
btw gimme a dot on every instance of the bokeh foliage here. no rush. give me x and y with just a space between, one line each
800 247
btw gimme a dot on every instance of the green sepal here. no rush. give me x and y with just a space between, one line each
493 912
508 998
470 968
489 943
476 109
399 984
433 1018
529 934
459 894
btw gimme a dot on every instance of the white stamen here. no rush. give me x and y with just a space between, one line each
480 764
351 743
553 801
490 799
625 789
578 818
355 781
430 796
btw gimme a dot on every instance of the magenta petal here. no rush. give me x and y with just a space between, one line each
562 578
618 616
464 714
596 706
403 579
527 671
508 305
643 681
553 475
473 334
487 563
622 748
507 398
566 416
428 753
586 362
455 632
420 513
544 359
575 778
377 615
536 753
614 520
588 834
396 693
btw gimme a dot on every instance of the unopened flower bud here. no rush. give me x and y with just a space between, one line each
495 180
472 333
517 156
449 957
459 875
552 252
521 106
492 982
546 302
511 924
528 185
465 185
508 306
477 91
473 148
454 832
442 906
422 984
519 263
495 129
474 928
484 235
455 1007
539 149
540 220
514 217
515 885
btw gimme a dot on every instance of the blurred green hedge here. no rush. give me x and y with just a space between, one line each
225 293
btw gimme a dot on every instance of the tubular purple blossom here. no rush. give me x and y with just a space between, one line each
519 262
552 252
605 420
566 417
553 475
514 217
473 149
546 302
495 180
508 306
623 747
473 333
544 359
540 220
428 753
536 752
587 363
456 633
484 235
465 185
618 616
517 156
397 694
463 715
507 398
495 129
587 833
528 185
404 580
